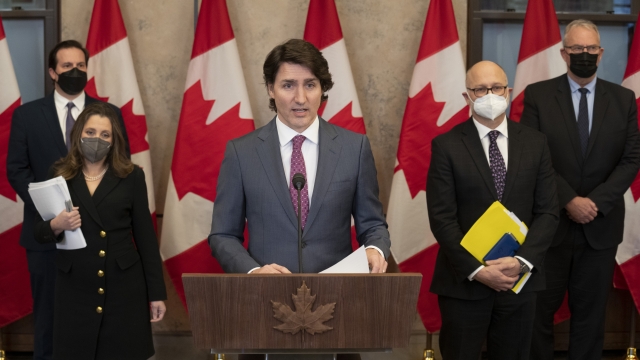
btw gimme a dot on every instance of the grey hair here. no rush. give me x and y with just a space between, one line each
583 24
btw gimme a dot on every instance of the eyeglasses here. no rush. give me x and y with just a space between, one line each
482 91
576 49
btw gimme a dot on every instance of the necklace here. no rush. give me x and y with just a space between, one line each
97 177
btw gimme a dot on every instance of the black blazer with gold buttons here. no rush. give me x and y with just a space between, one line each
103 290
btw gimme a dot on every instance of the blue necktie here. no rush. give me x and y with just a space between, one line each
583 120
70 122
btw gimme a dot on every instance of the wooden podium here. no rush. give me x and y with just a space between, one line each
234 313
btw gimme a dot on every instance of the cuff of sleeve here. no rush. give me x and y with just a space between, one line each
374 247
530 265
470 277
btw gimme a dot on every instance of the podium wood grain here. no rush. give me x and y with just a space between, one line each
234 311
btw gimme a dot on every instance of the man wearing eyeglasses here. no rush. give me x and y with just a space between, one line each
592 129
486 159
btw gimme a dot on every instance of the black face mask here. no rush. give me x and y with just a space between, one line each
583 65
73 81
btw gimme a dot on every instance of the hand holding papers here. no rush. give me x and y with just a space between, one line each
51 197
488 231
355 263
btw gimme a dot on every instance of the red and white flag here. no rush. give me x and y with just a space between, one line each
343 107
435 105
628 256
539 58
112 78
215 109
14 273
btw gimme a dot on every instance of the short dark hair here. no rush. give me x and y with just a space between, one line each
301 52
67 44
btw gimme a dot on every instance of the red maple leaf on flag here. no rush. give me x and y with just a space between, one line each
92 91
419 127
136 128
199 149
345 119
5 128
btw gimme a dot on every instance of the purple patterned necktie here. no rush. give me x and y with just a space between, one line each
496 163
70 122
297 166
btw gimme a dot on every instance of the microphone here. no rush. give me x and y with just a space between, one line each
298 181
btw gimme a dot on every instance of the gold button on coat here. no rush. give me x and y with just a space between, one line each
100 273
102 253
103 234
99 310
100 291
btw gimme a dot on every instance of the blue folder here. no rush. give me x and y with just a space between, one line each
506 246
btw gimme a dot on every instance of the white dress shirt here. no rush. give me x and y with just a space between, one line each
309 151
61 108
503 145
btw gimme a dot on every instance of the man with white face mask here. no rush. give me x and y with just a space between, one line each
486 159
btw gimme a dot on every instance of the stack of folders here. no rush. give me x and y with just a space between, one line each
51 197
497 233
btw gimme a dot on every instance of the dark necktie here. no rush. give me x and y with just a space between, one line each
70 122
297 166
496 163
583 120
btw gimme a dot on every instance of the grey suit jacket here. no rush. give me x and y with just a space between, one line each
460 188
252 187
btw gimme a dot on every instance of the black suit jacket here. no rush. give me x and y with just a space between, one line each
460 188
35 143
121 241
612 158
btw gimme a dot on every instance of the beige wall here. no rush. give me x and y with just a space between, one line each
382 38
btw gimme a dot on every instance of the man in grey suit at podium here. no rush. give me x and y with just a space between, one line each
255 182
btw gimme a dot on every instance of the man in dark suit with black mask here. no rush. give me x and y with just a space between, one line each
39 133
592 129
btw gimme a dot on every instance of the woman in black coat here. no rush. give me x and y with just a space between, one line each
104 291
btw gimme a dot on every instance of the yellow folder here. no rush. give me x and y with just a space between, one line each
489 228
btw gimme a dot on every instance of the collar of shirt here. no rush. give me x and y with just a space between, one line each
286 134
61 102
575 86
484 131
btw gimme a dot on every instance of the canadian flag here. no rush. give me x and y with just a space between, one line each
14 273
112 78
342 108
539 58
628 256
435 105
215 109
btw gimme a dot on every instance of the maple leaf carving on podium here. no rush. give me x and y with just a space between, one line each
303 318
419 127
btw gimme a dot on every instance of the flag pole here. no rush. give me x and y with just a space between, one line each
428 353
631 351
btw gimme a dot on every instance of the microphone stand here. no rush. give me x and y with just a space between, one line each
299 181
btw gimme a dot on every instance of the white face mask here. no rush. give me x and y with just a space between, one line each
490 106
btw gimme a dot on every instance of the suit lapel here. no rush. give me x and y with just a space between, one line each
79 187
600 104
515 152
563 97
51 116
108 182
328 156
471 140
269 153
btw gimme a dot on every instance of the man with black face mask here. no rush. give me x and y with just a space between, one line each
39 133
592 128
